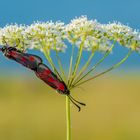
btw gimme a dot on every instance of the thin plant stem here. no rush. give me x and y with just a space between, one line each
113 67
68 119
47 55
98 63
85 66
60 66
46 52
77 62
71 62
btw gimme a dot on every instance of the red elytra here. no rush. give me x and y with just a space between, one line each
28 60
47 71
50 79
32 58
42 71
23 59
45 74
13 53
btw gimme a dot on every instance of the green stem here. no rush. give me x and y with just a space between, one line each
46 51
98 63
77 62
113 67
68 120
47 55
60 66
71 62
84 67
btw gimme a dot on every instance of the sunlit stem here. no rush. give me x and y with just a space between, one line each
113 67
77 62
48 58
71 62
84 67
94 67
47 55
60 66
46 51
68 118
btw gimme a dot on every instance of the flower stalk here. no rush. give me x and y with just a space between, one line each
60 66
70 65
94 67
76 63
84 68
106 71
68 119
48 57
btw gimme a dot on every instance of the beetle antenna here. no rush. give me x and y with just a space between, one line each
75 104
77 101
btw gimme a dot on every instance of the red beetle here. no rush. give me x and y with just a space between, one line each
42 71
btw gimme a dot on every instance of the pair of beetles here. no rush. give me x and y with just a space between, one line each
43 72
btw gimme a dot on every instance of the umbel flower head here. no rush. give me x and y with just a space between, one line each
12 35
89 32
46 36
123 34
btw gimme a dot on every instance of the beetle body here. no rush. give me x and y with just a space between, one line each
45 74
34 63
28 60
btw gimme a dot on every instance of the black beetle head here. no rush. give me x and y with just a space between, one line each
3 49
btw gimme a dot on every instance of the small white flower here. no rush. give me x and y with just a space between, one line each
91 34
123 34
12 35
48 35
88 31
79 28
94 44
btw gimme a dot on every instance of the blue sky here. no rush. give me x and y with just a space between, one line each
27 11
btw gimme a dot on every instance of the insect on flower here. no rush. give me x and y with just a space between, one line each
43 72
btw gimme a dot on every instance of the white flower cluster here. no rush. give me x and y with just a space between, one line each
43 36
89 34
46 35
123 34
11 35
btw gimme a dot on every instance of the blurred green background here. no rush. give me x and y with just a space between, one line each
30 110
